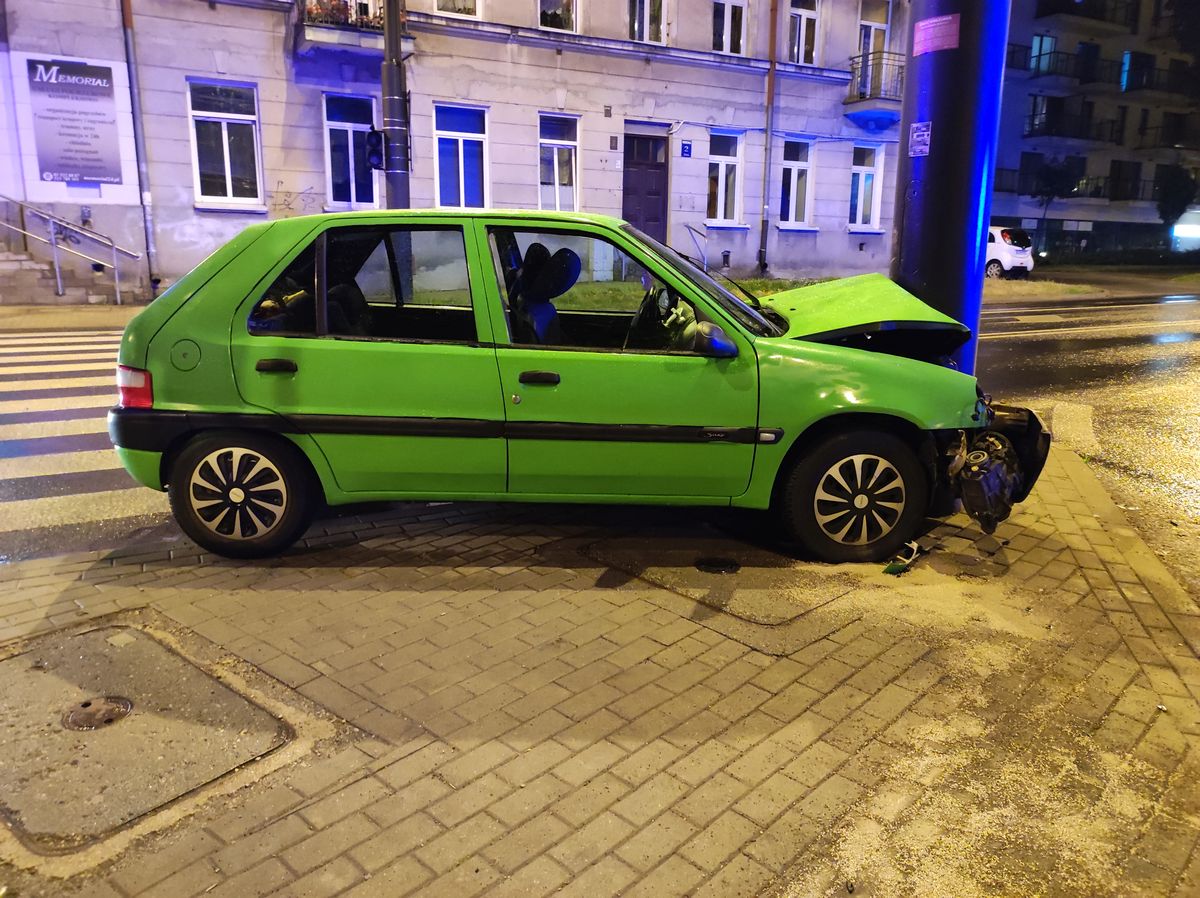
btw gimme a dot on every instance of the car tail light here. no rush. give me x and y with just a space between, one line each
134 389
1007 235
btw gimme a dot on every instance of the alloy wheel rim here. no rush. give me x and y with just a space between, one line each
859 500
238 493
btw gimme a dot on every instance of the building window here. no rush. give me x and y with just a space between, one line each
461 137
724 162
350 180
796 192
802 40
558 14
729 25
864 187
225 142
557 153
459 7
645 20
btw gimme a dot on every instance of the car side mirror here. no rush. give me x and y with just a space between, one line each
713 342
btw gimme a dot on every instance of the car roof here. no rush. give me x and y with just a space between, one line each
532 215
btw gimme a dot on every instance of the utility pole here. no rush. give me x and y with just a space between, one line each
395 106
949 134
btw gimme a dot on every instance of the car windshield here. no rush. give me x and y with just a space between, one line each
747 316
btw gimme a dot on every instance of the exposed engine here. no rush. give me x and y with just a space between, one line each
987 477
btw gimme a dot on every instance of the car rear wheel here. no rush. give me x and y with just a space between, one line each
855 496
241 495
993 270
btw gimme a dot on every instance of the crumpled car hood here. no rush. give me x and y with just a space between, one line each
870 312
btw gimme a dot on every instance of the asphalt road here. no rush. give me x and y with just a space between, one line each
1119 380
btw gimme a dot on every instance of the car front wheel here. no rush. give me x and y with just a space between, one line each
855 496
241 495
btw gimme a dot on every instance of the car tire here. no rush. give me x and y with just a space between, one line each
993 270
855 496
242 495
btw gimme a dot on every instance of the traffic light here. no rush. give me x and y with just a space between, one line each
375 148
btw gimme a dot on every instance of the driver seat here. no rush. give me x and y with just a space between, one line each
542 279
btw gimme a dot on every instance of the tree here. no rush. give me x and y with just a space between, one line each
1054 180
1176 191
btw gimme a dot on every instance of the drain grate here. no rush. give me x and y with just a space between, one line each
96 713
714 565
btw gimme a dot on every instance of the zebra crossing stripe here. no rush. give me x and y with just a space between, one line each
109 380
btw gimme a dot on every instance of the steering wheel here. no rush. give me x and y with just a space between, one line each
647 330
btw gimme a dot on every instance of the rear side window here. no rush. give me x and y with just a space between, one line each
289 305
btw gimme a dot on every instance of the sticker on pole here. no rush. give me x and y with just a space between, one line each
936 33
918 138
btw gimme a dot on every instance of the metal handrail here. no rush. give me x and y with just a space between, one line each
695 232
56 224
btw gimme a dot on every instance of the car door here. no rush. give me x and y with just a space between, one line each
370 340
596 404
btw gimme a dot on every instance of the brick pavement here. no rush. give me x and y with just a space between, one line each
528 723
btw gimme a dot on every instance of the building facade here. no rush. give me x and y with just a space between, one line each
654 110
1104 88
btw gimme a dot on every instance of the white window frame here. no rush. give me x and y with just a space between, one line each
723 161
860 171
727 30
350 127
573 145
790 170
255 203
662 24
460 136
478 14
805 19
575 18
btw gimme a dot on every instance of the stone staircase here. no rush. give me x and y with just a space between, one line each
28 281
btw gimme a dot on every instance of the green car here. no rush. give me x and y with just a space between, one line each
545 357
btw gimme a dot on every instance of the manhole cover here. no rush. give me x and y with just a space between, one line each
97 712
77 765
717 565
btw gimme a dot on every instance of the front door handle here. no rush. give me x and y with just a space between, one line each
276 366
545 378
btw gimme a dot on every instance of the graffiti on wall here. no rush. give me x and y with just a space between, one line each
294 202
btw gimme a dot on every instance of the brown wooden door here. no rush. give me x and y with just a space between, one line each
645 187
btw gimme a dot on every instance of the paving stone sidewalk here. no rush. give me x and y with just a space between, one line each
1018 715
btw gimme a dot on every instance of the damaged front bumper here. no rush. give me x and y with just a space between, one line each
993 467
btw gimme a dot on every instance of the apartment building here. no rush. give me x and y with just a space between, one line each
654 110
1104 87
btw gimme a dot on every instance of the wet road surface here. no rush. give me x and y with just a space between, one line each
1120 382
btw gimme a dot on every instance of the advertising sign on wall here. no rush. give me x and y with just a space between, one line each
74 121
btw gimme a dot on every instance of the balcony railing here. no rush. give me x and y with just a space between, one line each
1018 57
1170 137
1169 81
1116 12
1060 64
1117 189
1071 127
876 76
341 14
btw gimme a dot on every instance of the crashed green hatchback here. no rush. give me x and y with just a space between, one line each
544 357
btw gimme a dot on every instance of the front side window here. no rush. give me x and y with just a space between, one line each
729 26
224 120
576 291
460 134
724 162
645 20
557 163
802 37
864 183
796 190
459 7
350 180
558 14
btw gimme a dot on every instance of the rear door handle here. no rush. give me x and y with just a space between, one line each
276 366
547 378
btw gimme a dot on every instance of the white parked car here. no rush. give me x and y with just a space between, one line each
1009 253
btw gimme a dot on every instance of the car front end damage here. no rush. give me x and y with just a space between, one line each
993 467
